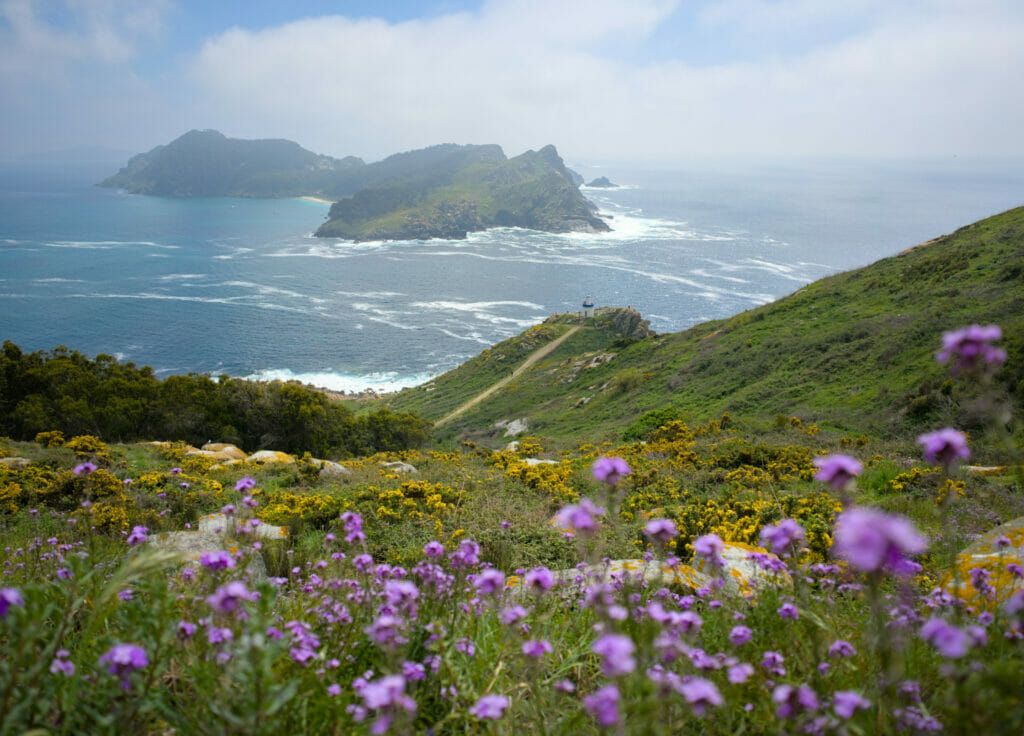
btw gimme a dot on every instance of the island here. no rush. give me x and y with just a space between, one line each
444 191
602 182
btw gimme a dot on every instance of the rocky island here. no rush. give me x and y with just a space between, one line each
444 191
603 182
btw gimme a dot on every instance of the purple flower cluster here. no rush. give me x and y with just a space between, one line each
123 659
971 348
782 536
610 469
873 540
947 446
581 517
837 470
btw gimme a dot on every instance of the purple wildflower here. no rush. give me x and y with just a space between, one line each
947 446
846 702
740 673
871 540
512 615
433 549
700 694
9 597
490 707
788 610
228 509
778 538
467 555
186 630
971 347
138 535
229 597
539 579
353 527
617 651
604 705
837 470
536 648
1013 605
489 582
740 635
579 517
243 484
61 663
841 648
84 468
610 469
175 471
793 700
950 641
217 560
123 659
709 547
661 530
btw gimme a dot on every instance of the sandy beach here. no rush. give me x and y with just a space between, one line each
317 199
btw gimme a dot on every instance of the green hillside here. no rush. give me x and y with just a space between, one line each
533 190
852 351
205 163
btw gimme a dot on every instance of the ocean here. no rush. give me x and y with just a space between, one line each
241 287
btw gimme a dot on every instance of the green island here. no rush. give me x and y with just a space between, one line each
794 520
443 191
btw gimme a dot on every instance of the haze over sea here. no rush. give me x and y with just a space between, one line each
241 287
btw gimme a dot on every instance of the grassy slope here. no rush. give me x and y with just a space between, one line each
853 351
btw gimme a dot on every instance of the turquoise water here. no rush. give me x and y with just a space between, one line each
241 287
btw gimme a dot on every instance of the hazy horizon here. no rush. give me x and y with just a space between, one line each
604 81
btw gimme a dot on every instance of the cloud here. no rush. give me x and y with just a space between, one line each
527 73
601 79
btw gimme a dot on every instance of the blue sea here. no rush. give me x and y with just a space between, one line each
241 287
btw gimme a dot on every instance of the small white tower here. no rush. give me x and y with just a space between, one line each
588 307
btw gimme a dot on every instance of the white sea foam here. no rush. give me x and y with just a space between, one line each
473 306
181 277
385 381
57 280
107 244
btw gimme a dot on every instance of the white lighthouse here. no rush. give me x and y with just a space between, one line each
588 307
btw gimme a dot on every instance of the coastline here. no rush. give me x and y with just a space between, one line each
310 198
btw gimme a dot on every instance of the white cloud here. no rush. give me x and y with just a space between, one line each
859 77
527 73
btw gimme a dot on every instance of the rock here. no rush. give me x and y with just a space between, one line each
217 523
330 468
984 470
602 182
270 456
512 427
984 553
192 545
15 463
741 573
225 451
226 464
512 446
531 461
399 467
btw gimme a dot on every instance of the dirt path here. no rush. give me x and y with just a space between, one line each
533 358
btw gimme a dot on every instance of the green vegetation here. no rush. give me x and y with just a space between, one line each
389 603
853 352
66 391
204 163
533 190
442 191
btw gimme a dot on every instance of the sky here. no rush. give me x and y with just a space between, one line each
603 80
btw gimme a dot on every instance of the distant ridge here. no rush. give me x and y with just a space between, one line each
443 191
